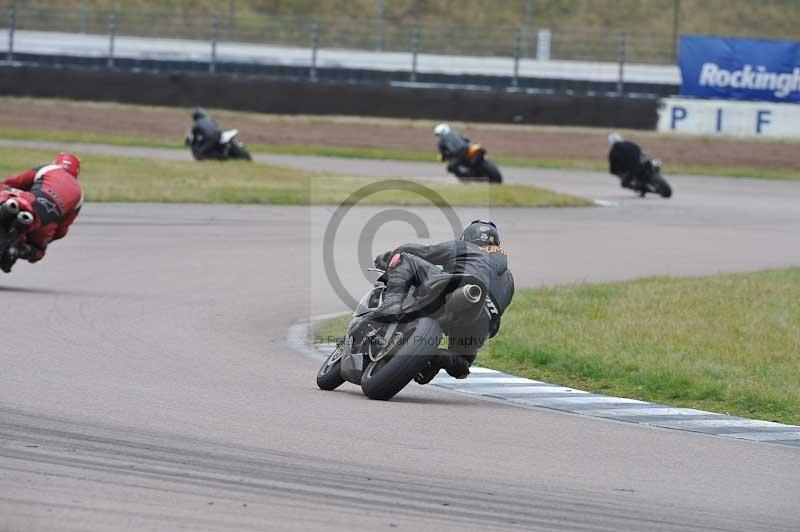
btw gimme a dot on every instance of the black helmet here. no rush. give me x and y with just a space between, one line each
198 113
482 233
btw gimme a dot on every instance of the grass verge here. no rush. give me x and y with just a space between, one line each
728 343
392 154
330 331
129 179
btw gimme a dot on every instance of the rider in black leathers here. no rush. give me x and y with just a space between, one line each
477 253
205 135
627 161
453 148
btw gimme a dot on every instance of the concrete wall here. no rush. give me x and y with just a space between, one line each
301 97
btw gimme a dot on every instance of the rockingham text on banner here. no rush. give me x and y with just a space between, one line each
740 69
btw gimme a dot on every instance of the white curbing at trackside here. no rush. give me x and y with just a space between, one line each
497 385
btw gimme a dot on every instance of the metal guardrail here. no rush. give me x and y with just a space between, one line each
360 34
533 37
513 43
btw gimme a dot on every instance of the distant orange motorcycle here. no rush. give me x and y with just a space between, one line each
476 166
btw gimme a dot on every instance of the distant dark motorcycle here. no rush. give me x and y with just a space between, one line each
16 218
476 166
228 147
649 180
382 357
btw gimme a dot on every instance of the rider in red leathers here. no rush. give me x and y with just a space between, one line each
52 193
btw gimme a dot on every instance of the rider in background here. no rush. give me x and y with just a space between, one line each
453 148
54 194
205 135
477 253
626 160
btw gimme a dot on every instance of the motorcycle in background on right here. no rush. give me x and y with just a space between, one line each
635 169
650 180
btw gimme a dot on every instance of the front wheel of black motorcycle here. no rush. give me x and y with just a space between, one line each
662 187
329 377
490 170
238 151
384 378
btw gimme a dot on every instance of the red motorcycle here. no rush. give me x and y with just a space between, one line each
17 217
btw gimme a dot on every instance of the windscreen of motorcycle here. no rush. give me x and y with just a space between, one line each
370 301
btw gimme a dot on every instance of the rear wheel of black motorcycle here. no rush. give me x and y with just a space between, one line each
329 377
383 379
490 170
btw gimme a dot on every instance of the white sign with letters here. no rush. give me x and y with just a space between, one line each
729 118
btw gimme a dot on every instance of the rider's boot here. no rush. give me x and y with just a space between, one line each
455 365
401 275
392 306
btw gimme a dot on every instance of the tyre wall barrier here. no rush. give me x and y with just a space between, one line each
282 96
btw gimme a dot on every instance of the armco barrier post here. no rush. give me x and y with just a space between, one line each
528 24
379 26
676 20
517 51
232 20
12 22
112 33
314 45
83 16
414 52
212 65
621 76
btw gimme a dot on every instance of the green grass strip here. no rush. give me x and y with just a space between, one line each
392 154
728 343
131 179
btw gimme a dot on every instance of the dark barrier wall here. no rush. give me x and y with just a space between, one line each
301 97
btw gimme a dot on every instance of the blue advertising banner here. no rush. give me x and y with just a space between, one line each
740 69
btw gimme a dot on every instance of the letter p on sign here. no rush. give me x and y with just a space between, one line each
678 113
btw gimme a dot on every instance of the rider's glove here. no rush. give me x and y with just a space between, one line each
30 253
382 260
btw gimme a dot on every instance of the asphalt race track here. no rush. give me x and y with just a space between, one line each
148 383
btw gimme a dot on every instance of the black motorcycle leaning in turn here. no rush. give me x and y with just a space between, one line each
384 357
649 180
476 166
228 147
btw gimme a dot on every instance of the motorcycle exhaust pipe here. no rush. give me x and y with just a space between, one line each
464 297
24 218
472 293
11 207
462 303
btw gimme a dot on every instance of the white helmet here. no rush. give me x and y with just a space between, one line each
441 129
614 137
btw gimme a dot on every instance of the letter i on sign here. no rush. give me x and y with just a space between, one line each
719 119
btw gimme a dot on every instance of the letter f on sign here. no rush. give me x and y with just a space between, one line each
678 113
762 119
